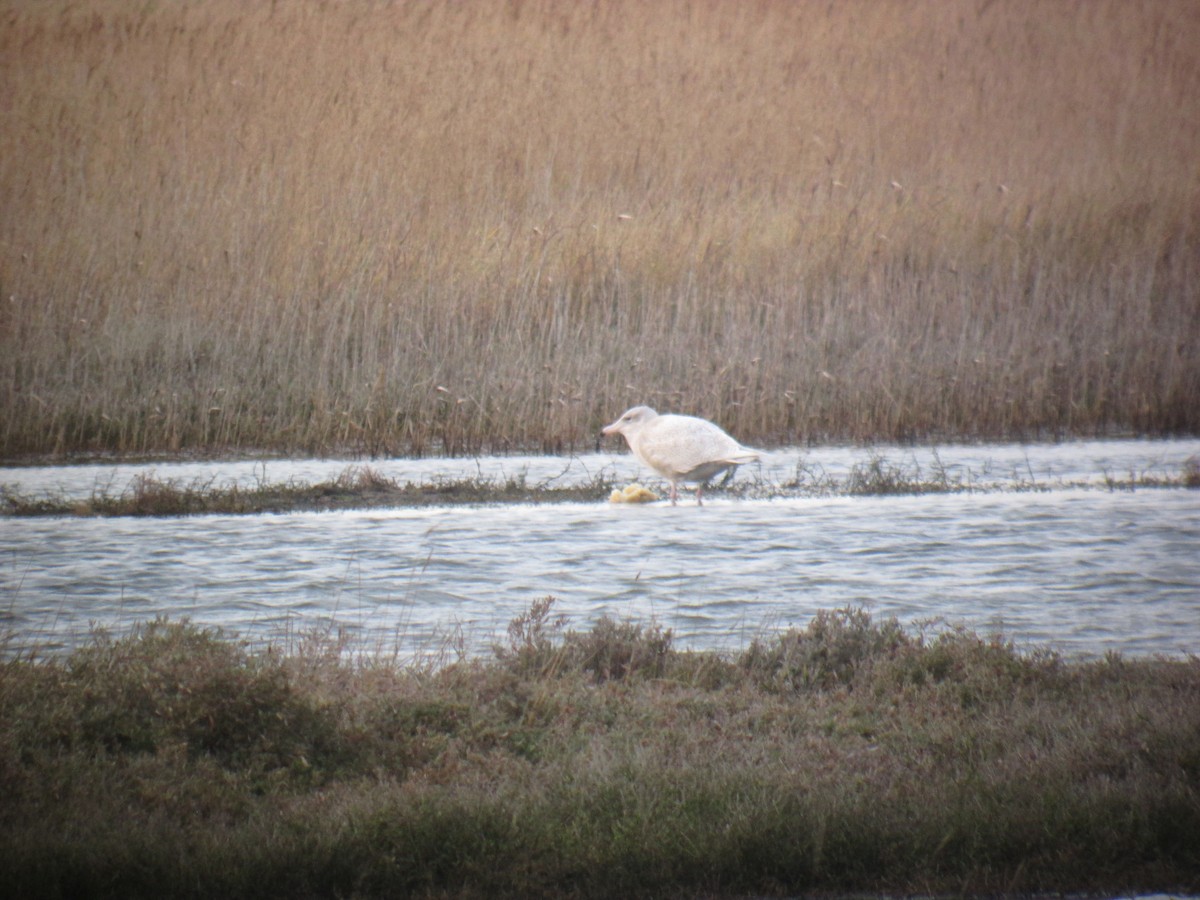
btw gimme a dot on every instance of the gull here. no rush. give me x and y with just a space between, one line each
680 448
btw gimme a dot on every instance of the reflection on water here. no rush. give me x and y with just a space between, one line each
1082 570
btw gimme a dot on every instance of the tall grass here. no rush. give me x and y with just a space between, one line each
409 227
845 757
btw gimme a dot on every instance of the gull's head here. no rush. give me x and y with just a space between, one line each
631 421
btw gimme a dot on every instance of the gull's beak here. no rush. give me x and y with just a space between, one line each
604 432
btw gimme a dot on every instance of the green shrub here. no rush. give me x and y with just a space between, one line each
178 685
832 650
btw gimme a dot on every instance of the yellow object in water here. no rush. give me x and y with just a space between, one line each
633 493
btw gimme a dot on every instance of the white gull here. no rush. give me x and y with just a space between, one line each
680 448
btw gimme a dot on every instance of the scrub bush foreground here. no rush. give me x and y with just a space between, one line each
848 755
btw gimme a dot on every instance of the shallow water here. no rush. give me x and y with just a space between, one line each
1079 569
985 465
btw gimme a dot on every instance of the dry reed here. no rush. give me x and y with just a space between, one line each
414 228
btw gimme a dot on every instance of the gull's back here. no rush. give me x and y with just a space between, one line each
685 448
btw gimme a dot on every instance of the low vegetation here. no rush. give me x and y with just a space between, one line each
357 487
405 228
362 487
847 756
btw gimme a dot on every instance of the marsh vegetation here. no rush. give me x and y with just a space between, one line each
849 755
356 487
365 487
464 228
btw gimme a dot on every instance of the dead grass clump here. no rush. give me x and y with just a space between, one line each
534 640
830 651
539 646
148 495
1191 472
878 476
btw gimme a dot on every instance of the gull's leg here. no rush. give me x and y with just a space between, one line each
673 493
699 490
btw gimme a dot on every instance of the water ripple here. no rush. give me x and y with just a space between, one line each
1083 571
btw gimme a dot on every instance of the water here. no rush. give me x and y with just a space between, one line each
1070 566
984 465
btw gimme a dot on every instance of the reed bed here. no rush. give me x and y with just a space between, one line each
844 757
458 228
